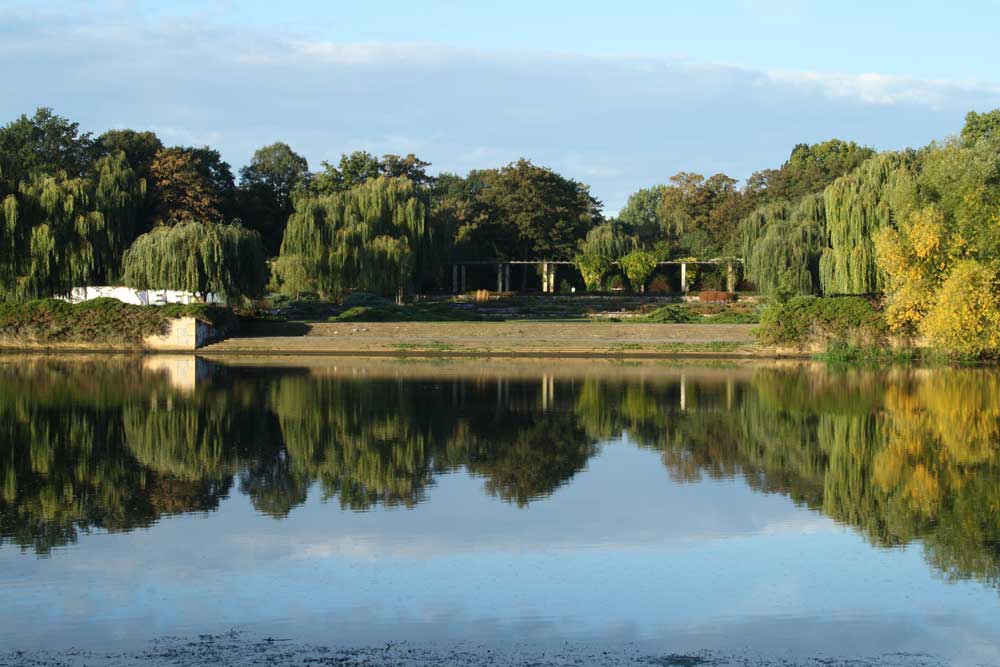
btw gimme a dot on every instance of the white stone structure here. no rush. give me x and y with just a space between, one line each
160 297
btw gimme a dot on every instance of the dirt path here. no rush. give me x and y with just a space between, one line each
499 338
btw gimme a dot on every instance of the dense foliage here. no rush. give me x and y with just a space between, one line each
834 219
203 258
808 321
96 321
374 236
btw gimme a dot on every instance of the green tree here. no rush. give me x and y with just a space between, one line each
641 214
198 257
858 206
140 148
373 237
44 144
60 232
267 184
544 214
981 126
808 170
781 246
638 265
699 215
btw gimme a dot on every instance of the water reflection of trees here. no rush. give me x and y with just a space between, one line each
900 455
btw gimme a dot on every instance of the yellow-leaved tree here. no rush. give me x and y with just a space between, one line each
941 262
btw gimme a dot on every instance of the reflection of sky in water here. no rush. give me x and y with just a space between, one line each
621 553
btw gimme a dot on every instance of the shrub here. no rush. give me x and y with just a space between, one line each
638 265
660 285
102 320
714 295
614 283
965 317
672 314
368 299
808 321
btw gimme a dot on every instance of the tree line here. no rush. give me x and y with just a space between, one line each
834 218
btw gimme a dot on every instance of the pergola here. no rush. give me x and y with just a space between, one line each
459 271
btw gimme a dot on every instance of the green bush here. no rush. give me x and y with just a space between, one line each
829 321
366 299
733 317
672 314
103 320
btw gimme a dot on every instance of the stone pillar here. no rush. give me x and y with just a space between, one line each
463 278
545 276
683 392
506 277
684 278
730 278
499 277
454 278
552 279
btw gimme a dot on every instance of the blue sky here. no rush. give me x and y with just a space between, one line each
618 95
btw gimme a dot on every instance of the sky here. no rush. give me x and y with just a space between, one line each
617 95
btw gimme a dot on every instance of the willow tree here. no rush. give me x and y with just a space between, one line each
603 246
198 257
782 245
373 237
858 207
59 232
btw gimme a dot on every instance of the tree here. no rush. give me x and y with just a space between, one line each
699 216
373 237
180 190
361 166
981 126
781 246
641 214
941 258
638 265
604 245
410 167
808 170
543 213
858 206
198 257
140 148
59 232
44 144
266 188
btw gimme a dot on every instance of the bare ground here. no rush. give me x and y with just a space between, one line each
495 338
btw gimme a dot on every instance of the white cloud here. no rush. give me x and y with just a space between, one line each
616 123
883 89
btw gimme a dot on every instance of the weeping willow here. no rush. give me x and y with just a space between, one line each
58 232
374 237
198 257
858 206
782 245
603 246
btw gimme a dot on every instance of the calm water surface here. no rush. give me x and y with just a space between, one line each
795 510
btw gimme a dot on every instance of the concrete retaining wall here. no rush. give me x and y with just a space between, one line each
185 334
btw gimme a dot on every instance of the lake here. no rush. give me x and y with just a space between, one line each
789 512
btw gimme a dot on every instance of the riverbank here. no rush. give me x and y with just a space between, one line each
515 339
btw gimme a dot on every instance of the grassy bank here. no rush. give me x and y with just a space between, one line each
97 322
